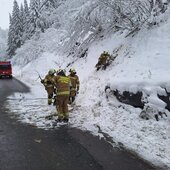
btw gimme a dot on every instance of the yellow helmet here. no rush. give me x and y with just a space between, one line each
51 71
58 71
72 70
105 52
61 71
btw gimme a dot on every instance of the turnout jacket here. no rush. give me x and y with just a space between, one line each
48 81
62 84
75 82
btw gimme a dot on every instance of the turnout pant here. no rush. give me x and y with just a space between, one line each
50 91
62 106
72 96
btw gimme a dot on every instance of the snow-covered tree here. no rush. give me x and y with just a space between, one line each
21 23
16 24
14 36
79 18
25 22
10 49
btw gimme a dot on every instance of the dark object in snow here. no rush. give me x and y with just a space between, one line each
130 98
84 53
149 112
77 43
160 114
156 117
166 99
144 115
135 100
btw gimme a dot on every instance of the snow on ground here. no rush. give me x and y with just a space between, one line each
142 65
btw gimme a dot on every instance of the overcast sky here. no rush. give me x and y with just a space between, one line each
6 8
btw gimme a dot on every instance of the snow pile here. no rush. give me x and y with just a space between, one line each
142 65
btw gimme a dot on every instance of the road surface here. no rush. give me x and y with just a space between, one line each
23 147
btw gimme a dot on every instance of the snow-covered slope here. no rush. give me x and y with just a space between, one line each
142 64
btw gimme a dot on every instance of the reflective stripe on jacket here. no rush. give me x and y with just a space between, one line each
48 81
62 84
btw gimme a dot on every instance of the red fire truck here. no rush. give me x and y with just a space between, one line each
5 69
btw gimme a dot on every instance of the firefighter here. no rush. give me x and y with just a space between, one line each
75 85
103 61
49 86
62 84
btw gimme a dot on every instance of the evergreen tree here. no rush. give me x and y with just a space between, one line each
10 50
21 23
26 21
32 18
15 29
16 26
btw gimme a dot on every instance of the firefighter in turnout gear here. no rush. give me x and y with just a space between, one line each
103 61
49 86
75 85
62 84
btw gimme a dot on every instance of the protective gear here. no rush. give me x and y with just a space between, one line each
62 84
103 61
50 100
58 71
51 71
61 72
72 70
105 52
48 82
62 108
75 87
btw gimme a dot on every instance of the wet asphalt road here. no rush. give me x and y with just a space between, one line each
23 147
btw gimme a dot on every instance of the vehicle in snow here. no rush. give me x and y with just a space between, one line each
5 69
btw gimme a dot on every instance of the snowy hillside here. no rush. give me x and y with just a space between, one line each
142 64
